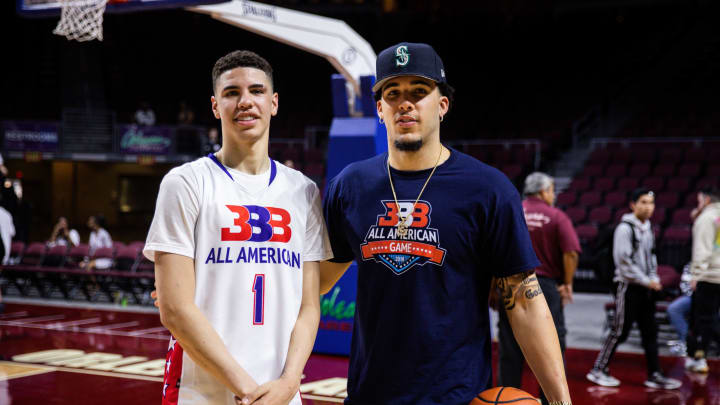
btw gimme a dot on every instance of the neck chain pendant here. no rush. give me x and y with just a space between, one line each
402 229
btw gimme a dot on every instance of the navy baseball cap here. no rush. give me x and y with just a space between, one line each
408 59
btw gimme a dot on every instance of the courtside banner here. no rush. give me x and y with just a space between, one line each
337 311
141 140
30 136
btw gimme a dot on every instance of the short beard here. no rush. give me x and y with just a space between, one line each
409 146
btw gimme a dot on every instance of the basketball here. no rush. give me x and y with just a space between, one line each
504 395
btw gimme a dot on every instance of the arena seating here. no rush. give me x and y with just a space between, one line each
55 272
675 170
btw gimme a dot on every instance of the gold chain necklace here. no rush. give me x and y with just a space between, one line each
402 227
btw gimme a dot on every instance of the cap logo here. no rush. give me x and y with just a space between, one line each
402 56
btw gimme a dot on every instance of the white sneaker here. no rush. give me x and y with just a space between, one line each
657 380
700 366
689 363
599 377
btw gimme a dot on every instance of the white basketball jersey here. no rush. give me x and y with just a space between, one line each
249 248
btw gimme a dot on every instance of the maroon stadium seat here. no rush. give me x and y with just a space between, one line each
576 214
616 199
579 184
604 184
616 170
676 235
77 254
512 171
689 170
592 171
599 156
664 169
566 198
694 155
639 170
17 248
671 155
55 256
659 215
667 199
681 216
103 253
137 243
586 232
600 216
644 154
628 184
669 278
690 200
33 255
654 183
621 155
678 184
619 213
713 170
590 198
126 257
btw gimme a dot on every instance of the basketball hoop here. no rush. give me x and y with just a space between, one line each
81 20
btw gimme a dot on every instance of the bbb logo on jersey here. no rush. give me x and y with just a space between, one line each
258 224
400 253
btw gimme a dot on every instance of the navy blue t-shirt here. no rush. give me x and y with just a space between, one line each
422 332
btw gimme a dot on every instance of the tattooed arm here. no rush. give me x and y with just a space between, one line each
534 330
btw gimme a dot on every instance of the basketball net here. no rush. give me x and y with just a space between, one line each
81 20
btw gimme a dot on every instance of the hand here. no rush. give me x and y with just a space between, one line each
154 295
276 392
693 284
654 285
243 397
566 293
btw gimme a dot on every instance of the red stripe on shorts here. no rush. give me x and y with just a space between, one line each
173 371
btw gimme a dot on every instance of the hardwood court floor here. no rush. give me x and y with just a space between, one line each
64 355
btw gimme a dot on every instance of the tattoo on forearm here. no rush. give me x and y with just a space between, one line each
523 286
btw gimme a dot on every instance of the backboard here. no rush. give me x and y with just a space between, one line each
45 8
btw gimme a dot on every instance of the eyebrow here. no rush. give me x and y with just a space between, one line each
252 86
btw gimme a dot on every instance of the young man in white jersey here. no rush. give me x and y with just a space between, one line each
236 241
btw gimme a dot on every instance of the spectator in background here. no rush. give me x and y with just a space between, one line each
705 271
637 280
145 115
62 234
186 116
678 312
556 245
7 231
213 142
289 163
99 238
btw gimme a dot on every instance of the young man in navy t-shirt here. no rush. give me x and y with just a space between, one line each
429 227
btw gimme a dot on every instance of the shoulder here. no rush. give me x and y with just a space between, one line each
188 173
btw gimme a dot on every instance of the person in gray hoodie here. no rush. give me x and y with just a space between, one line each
636 280
705 271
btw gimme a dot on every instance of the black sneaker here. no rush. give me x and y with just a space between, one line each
657 380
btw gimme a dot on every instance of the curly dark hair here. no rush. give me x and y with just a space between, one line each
237 59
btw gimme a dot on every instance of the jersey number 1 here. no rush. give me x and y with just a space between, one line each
259 299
